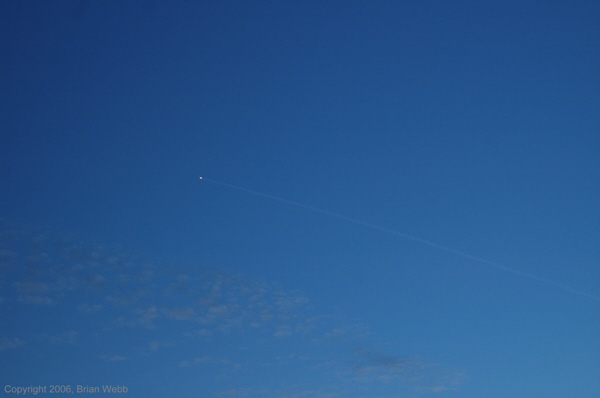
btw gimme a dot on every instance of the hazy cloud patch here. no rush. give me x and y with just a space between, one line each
180 314
10 343
92 296
420 375
113 358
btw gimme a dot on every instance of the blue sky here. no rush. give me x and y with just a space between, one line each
400 198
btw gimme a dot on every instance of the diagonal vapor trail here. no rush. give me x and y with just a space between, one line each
412 238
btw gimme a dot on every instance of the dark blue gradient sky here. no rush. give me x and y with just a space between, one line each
332 134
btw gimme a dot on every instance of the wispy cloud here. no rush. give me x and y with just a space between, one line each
180 314
10 343
420 375
43 269
67 337
286 392
209 360
191 319
112 358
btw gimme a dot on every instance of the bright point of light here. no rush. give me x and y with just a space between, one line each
200 177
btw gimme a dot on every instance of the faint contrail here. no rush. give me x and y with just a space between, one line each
412 238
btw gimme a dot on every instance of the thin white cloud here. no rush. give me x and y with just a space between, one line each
416 373
154 345
210 360
10 343
88 308
113 357
67 337
146 316
123 299
180 314
36 300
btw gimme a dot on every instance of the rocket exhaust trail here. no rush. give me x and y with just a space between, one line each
412 238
